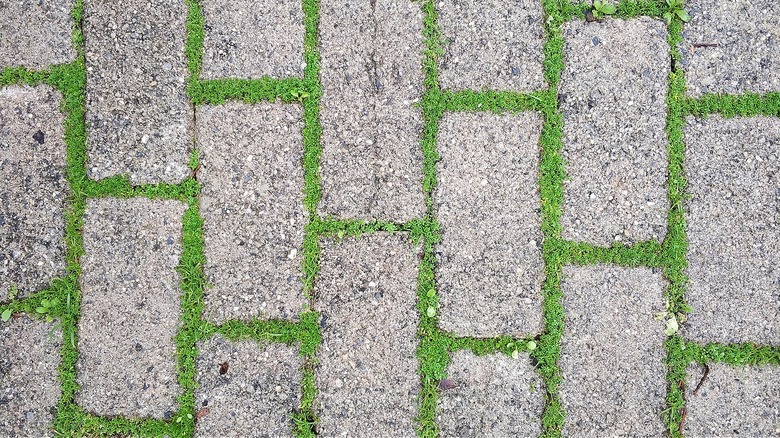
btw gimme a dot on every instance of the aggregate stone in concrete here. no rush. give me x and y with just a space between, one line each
33 189
731 47
250 39
493 395
487 201
371 163
252 206
733 217
612 95
733 401
492 44
29 387
130 307
246 388
367 374
36 34
612 353
139 120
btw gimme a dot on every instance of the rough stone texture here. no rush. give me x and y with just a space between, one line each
367 377
733 401
139 120
251 39
492 44
746 52
36 34
130 307
733 216
252 205
612 352
371 163
487 201
32 189
257 394
494 395
29 388
612 94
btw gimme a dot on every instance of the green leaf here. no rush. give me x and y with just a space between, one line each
431 293
668 17
683 14
608 8
431 312
671 326
40 309
515 354
6 315
531 345
597 4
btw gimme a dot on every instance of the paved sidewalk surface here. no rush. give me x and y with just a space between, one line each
390 218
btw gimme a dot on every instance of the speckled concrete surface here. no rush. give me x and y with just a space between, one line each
36 34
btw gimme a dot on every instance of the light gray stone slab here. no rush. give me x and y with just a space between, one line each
130 307
731 47
367 375
612 353
33 189
733 217
251 168
139 119
29 387
491 44
494 395
371 72
487 202
613 98
733 401
251 39
254 396
36 34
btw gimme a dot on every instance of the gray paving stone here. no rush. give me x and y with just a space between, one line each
487 201
257 393
367 376
733 401
612 353
130 307
733 219
139 119
32 189
371 72
251 168
731 47
612 94
492 44
251 39
494 395
36 34
29 387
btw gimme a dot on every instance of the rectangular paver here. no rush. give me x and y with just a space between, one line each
612 353
252 206
371 72
130 307
487 202
139 120
613 98
367 375
733 170
36 34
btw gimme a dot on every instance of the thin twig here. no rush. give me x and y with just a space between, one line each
697 45
703 377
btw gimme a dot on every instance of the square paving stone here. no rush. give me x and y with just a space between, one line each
33 189
733 401
487 202
494 395
371 72
29 387
733 217
130 307
246 388
367 375
251 168
36 34
139 119
731 47
251 39
613 98
612 353
491 44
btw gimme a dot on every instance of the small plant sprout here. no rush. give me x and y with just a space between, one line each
6 315
299 95
46 308
431 312
676 10
531 345
671 320
602 7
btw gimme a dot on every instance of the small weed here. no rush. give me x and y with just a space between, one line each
676 10
13 292
6 315
299 95
602 7
47 308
